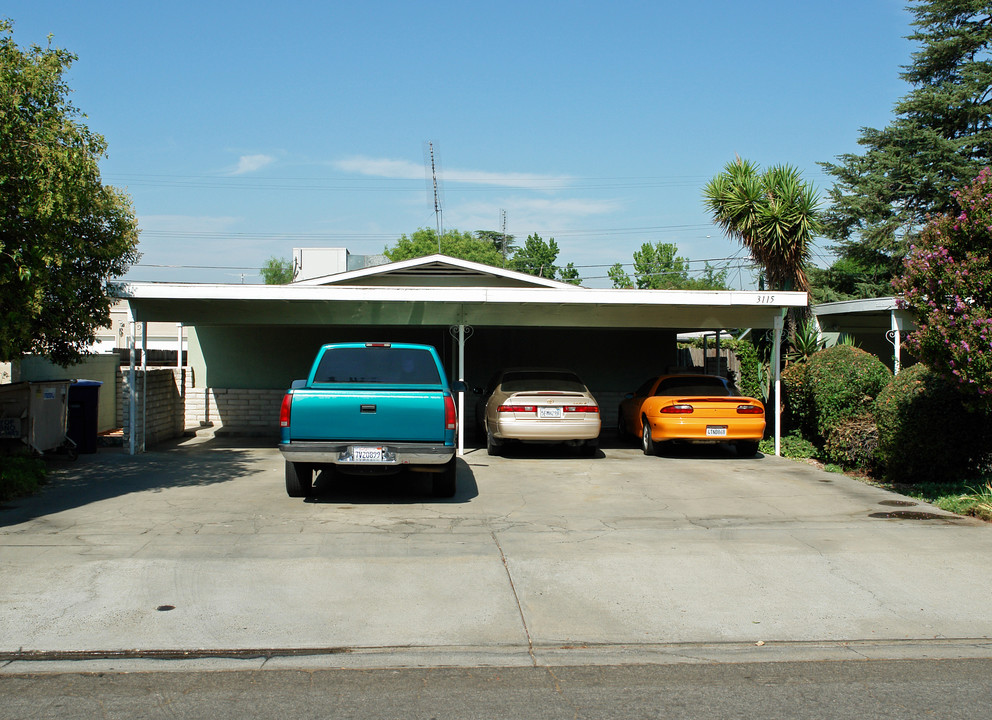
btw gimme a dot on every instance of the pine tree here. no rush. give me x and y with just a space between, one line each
939 140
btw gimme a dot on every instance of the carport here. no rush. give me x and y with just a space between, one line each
480 317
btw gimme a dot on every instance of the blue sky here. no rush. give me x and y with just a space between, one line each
242 130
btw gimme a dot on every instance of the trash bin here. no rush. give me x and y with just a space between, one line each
84 414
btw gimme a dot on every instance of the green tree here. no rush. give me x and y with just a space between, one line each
538 257
63 233
947 281
659 266
940 139
501 241
772 213
453 243
277 271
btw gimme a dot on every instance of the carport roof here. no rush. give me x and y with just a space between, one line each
378 296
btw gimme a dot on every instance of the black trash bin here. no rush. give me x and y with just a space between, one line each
84 414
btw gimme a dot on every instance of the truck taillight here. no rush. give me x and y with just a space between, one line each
285 410
449 412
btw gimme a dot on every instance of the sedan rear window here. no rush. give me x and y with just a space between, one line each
380 365
529 381
696 386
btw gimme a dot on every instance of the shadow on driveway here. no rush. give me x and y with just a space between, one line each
112 473
404 487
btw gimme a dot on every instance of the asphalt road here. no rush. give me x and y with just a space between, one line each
945 689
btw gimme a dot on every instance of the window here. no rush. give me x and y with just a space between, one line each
696 385
379 365
531 381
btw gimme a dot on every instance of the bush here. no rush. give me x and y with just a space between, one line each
750 381
843 382
926 431
853 442
793 446
798 412
19 476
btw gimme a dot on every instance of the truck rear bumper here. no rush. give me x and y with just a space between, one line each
344 453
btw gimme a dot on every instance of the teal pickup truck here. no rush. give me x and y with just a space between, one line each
370 409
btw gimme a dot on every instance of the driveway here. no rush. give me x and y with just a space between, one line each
194 550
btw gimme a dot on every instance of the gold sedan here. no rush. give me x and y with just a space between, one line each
540 405
693 409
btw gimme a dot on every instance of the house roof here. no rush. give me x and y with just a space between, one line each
423 292
870 315
435 270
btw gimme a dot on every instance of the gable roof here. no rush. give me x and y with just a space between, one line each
435 271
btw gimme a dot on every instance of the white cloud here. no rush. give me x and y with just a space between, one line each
252 163
406 170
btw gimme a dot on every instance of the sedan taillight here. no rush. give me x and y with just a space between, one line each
517 408
581 408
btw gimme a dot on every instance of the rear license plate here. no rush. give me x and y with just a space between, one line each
716 431
367 454
549 412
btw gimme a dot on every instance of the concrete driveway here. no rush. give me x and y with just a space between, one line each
195 551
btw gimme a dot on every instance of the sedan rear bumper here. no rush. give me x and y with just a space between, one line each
546 430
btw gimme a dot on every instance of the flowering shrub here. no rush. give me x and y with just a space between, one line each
947 280
925 430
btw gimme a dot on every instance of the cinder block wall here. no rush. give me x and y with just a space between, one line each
163 402
241 407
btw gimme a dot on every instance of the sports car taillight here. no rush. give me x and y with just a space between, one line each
449 412
285 410
677 409
750 410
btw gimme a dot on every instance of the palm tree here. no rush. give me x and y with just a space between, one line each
773 214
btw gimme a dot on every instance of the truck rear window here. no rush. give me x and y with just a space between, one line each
392 365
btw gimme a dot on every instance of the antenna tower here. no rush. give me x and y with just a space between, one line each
437 199
502 217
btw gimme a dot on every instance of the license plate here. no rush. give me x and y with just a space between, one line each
549 412
716 431
367 454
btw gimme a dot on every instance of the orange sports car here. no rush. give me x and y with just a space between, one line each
692 409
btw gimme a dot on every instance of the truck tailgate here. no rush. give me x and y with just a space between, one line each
379 415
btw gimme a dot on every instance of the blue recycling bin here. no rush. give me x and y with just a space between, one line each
83 422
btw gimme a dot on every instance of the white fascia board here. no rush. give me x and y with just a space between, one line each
856 306
559 296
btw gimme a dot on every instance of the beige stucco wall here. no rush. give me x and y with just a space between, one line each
102 368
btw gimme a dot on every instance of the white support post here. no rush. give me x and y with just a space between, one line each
777 381
131 400
144 381
461 394
179 357
896 342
